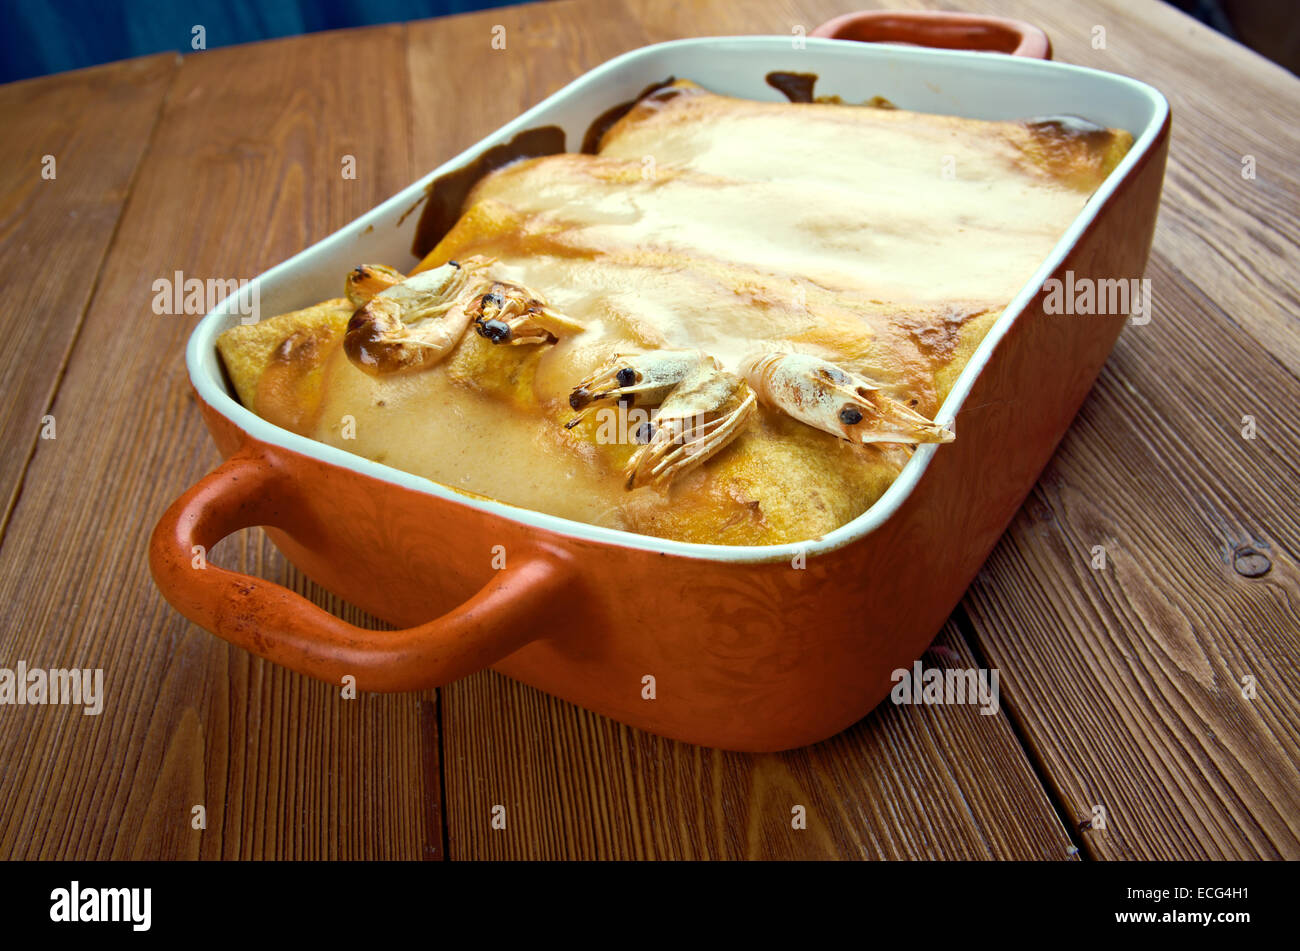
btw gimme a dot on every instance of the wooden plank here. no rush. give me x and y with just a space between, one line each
244 170
906 782
947 783
71 146
1127 681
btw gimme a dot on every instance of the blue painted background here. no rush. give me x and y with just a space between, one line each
48 36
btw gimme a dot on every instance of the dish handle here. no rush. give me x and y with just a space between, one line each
279 625
940 28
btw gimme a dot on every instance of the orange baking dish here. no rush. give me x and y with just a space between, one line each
749 648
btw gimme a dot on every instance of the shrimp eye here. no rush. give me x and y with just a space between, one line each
850 416
644 433
626 376
498 331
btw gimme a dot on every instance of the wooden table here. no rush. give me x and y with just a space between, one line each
1122 687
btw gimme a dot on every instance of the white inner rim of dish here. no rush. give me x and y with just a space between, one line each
947 82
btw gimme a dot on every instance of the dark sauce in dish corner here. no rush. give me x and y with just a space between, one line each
605 121
444 198
445 195
1068 126
797 87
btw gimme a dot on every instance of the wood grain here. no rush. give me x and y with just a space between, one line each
907 782
1130 676
93 125
243 170
1121 686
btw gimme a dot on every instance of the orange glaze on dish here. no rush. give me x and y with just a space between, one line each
882 241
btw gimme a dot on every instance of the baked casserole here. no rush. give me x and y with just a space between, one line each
730 324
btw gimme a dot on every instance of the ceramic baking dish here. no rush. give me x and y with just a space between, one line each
749 648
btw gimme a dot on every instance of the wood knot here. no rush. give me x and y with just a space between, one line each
1250 562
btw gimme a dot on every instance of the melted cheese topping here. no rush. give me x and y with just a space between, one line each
884 241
